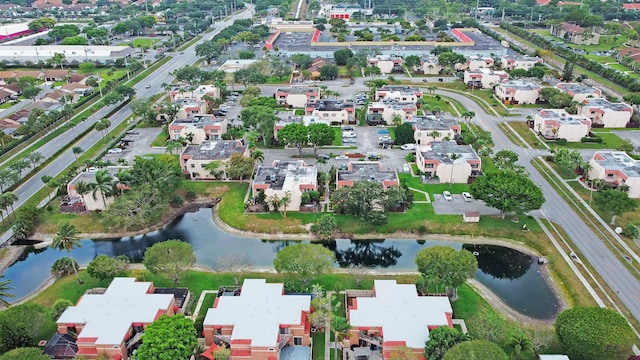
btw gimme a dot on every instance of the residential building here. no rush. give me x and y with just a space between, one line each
475 62
56 75
297 96
14 89
4 96
196 94
367 171
189 107
604 113
399 93
198 128
93 201
59 96
393 316
112 322
387 63
286 179
77 88
616 168
429 65
386 110
518 92
524 62
195 158
579 91
629 55
260 322
558 124
434 128
449 162
336 111
575 34
484 78
631 7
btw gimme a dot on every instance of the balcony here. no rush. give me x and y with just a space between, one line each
377 341
221 339
284 340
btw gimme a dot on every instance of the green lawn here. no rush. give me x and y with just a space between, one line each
432 103
318 345
619 67
337 140
161 138
523 130
144 42
609 141
600 59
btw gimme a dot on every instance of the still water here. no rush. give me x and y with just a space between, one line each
513 276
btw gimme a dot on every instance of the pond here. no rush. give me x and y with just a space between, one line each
513 276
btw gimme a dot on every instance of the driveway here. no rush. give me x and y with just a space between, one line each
140 146
633 135
457 206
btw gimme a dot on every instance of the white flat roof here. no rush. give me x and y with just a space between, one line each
258 312
69 50
109 316
401 313
554 357
9 29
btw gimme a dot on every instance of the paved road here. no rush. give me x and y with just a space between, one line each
156 79
608 265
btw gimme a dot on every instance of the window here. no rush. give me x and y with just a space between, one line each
429 166
297 340
610 176
284 331
193 166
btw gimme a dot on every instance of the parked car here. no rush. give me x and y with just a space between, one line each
347 128
349 140
323 156
342 157
447 195
383 131
467 197
220 113
133 132
114 151
349 134
147 86
408 147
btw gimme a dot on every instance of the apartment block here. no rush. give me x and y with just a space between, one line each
575 34
335 111
429 65
386 110
616 168
198 128
386 63
518 92
195 158
579 91
199 93
434 128
367 171
525 62
259 322
94 201
558 124
399 93
484 78
297 96
476 62
286 178
607 114
449 162
391 317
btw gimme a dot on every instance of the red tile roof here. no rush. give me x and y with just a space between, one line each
631 6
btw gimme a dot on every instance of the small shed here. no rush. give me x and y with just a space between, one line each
471 216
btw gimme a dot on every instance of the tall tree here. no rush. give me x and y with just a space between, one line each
440 340
169 258
507 160
296 135
508 192
305 261
614 202
443 265
76 150
103 185
4 291
67 240
239 167
520 346
319 135
169 337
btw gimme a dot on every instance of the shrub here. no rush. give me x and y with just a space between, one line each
59 307
594 139
561 142
190 195
176 201
62 267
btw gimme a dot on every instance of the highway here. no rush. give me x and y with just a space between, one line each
605 262
156 79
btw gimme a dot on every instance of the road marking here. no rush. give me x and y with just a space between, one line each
636 297
609 266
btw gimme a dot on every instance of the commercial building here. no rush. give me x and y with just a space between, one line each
484 78
367 171
77 53
198 128
336 111
386 111
558 124
393 316
12 31
524 62
231 66
286 178
195 158
449 162
387 63
579 91
113 322
434 128
616 168
575 34
518 92
399 93
260 322
297 96
604 113
346 11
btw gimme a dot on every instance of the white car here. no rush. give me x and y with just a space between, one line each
114 151
348 134
342 157
447 195
408 147
467 197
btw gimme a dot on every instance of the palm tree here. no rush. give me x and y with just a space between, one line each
82 188
8 199
34 158
172 145
397 120
66 240
519 345
275 202
4 287
122 180
104 185
103 125
49 182
453 158
77 150
286 200
468 115
257 155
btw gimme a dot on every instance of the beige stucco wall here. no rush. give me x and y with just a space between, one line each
424 137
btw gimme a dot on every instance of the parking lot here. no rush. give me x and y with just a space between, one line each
140 146
458 206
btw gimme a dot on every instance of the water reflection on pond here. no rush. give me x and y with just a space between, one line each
515 277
